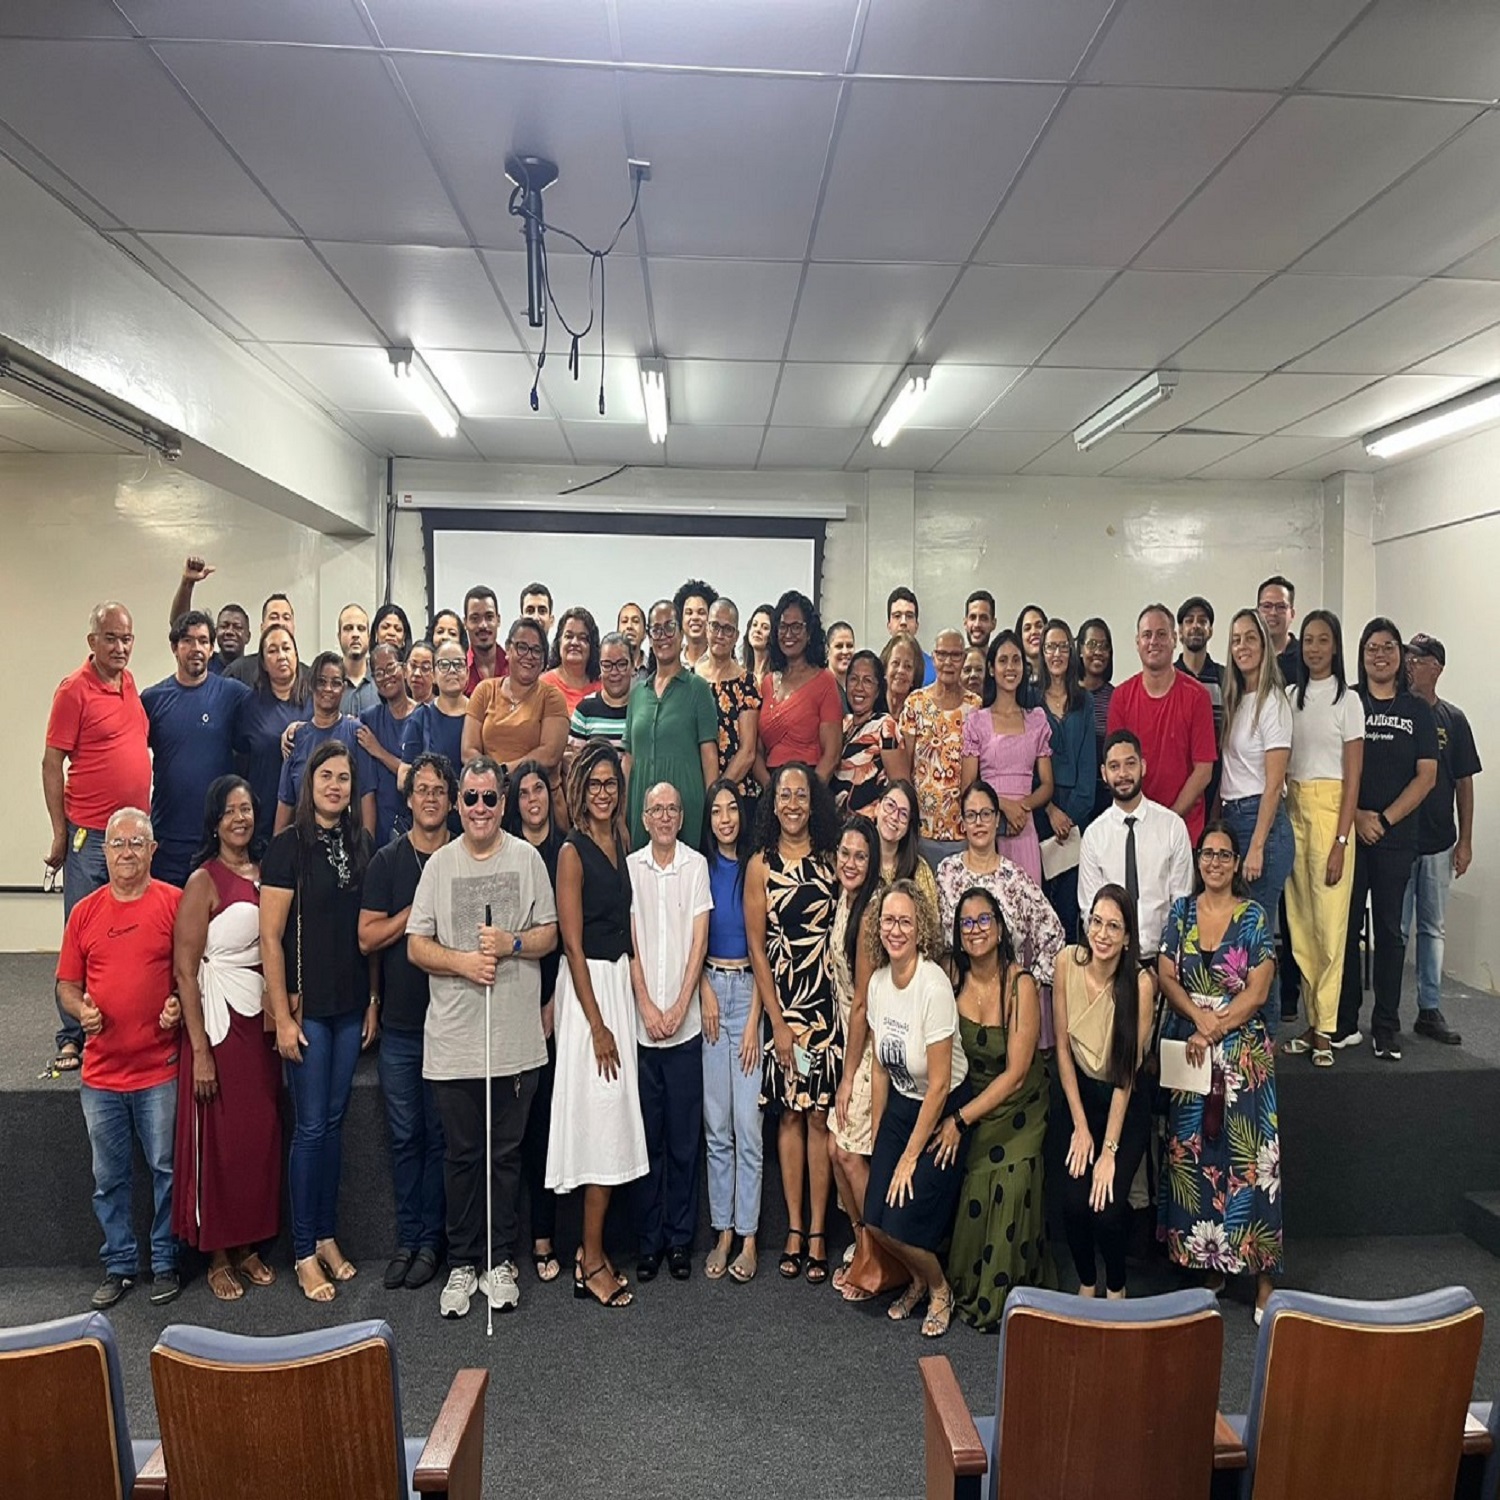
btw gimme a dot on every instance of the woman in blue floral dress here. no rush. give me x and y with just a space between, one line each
1221 1177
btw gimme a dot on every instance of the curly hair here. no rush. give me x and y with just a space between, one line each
823 818
596 752
817 642
929 936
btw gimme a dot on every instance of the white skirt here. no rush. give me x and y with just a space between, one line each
597 1137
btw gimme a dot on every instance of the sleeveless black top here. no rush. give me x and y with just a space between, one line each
606 900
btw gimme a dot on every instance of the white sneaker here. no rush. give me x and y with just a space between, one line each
453 1301
501 1287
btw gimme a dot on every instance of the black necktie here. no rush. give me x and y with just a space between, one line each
1132 875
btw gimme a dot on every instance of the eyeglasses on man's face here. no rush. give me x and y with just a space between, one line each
664 810
136 844
472 798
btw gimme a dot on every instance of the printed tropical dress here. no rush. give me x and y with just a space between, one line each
1221 1199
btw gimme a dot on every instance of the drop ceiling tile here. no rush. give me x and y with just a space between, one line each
722 309
499 385
1478 357
915 448
171 278
996 452
626 325
525 28
1438 313
348 378
1286 317
1483 265
713 447
367 179
906 182
46 18
1267 458
277 289
1196 392
736 162
869 313
721 393
1145 316
326 22
614 443
1183 42
1044 399
820 395
1278 400
517 440
129 138
1111 168
810 36
1177 455
808 447
1384 402
1063 460
1448 51
1441 212
578 400
1351 457
979 39
957 394
400 434
1009 314
435 298
1307 168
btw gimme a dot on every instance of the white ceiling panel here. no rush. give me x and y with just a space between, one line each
1009 314
1195 393
721 393
524 28
713 447
328 22
808 447
424 295
736 162
499 385
277 289
1043 399
1447 51
1063 460
1177 455
807 35
1436 314
723 309
401 434
1146 315
1351 456
129 138
349 378
907 182
867 313
957 394
1307 168
517 440
578 400
1266 45
1286 317
819 395
1377 405
48 18
1483 265
1112 166
996 452
979 39
1266 458
175 281
614 443
1478 357
626 324
915 448
1278 400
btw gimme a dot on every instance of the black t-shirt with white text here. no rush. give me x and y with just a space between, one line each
390 884
1399 732
1458 757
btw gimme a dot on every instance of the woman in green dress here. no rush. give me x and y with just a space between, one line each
999 1237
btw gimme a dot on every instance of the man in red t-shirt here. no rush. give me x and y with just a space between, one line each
1173 718
98 729
114 977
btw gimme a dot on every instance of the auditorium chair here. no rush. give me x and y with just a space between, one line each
1482 1441
1096 1400
1366 1399
63 1428
307 1416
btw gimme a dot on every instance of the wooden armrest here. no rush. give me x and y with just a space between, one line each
151 1477
953 1449
1229 1451
452 1461
1477 1439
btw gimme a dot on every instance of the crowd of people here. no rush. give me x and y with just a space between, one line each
950 916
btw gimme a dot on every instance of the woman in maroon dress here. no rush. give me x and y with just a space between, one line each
226 1196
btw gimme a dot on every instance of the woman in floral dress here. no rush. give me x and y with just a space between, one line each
1221 1180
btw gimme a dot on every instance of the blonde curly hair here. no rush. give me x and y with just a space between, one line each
929 939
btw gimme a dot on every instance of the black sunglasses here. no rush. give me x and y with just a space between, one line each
490 799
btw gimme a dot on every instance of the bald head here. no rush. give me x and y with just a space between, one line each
663 818
111 639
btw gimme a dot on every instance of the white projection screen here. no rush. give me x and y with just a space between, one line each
621 560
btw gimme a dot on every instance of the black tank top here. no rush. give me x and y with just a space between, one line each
606 900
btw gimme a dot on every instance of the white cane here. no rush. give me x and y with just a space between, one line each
489 1165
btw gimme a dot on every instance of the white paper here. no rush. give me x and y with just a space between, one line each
1058 858
1178 1073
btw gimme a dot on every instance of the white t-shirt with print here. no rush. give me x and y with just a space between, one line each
905 1022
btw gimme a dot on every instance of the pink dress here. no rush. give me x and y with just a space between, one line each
1008 763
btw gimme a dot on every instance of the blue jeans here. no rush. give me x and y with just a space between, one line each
115 1121
416 1141
320 1086
1427 901
731 1112
1241 816
83 874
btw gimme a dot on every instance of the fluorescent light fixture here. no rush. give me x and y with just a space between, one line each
423 390
901 404
1113 415
1472 409
654 393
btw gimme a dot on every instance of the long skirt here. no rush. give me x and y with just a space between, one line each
925 1220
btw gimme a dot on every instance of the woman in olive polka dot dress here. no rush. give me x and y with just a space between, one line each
999 1237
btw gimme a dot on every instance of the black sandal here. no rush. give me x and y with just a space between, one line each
548 1267
817 1265
69 1058
620 1297
790 1264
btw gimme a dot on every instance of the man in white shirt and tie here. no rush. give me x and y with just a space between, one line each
670 903
1136 843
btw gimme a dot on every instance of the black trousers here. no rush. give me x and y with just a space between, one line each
541 1204
665 1200
461 1105
1108 1231
1380 875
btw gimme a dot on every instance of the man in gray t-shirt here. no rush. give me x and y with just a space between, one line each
448 937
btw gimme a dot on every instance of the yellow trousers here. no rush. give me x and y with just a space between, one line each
1317 913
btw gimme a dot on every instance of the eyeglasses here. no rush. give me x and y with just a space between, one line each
451 666
1216 856
792 627
980 815
623 665
897 812
527 651
1267 608
471 798
421 668
897 924
664 810
1106 925
595 787
723 631
427 793
1056 648
947 656
982 923
663 632
136 845
797 795
387 674
1381 648
329 685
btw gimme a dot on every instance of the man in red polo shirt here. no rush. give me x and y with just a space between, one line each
97 730
1173 718
114 977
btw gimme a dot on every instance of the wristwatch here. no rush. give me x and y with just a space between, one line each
1342 840
515 945
1385 822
